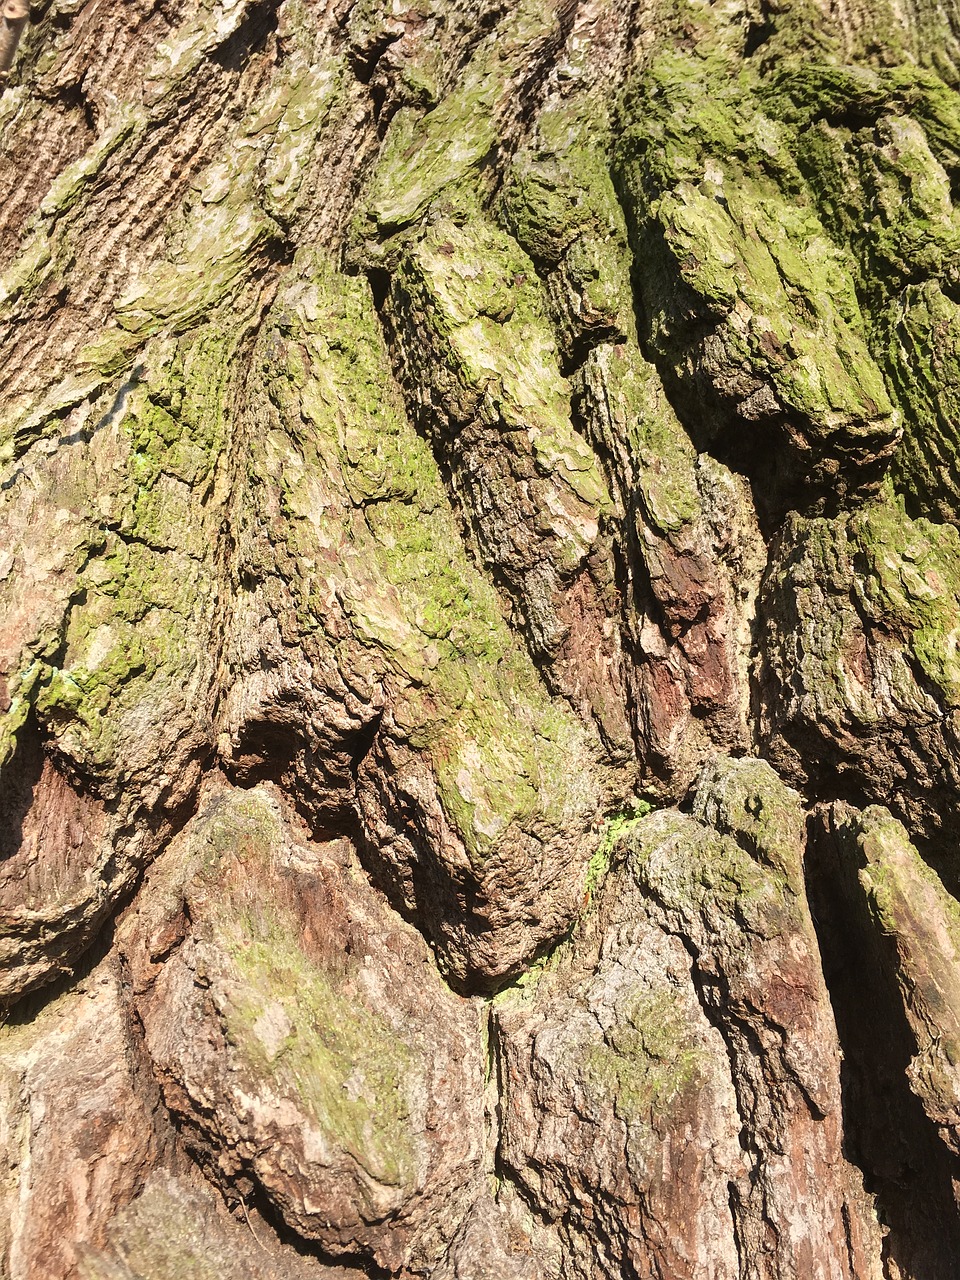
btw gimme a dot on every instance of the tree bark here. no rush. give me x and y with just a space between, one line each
479 611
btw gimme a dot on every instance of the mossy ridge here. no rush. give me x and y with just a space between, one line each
176 420
470 302
48 248
331 1047
210 240
425 156
471 320
75 503
21 690
909 581
864 621
481 293
135 630
615 831
630 418
29 269
464 692
744 798
134 638
290 1019
127 126
694 871
310 95
922 335
684 109
820 635
755 259
881 153
881 35
443 153
560 205
805 91
213 242
919 922
892 865
879 150
645 1061
713 30
425 70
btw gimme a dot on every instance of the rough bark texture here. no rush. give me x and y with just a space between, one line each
479 623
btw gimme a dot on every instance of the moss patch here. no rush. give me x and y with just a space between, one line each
369 522
693 871
294 1019
294 1025
750 301
645 1061
910 581
614 831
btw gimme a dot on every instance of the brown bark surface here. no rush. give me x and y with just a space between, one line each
479 613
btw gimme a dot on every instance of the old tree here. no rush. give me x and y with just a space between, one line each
479 616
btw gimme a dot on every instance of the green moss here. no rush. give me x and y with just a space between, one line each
909 579
633 418
178 427
874 147
302 104
29 269
880 151
477 307
921 336
367 511
482 295
424 66
133 641
293 1020
543 205
867 625
424 155
560 205
746 799
714 190
502 765
646 1060
614 831
211 245
803 28
21 692
292 1024
560 187
128 123
440 157
697 872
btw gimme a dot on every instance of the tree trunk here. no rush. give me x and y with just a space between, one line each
479 624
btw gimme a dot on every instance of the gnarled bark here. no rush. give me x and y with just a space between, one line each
479 599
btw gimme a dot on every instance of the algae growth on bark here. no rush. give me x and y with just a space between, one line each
479 622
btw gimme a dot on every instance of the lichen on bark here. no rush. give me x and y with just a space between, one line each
479 612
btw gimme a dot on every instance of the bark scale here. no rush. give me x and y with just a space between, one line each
479 599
